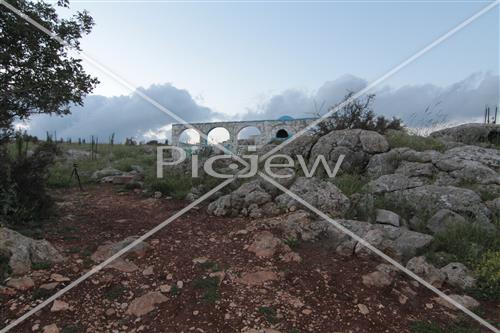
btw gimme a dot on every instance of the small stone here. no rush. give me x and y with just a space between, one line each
363 309
110 312
148 271
146 303
51 329
377 279
157 195
22 283
169 276
49 286
180 284
387 217
196 312
58 306
35 327
200 260
165 288
59 278
257 278
307 311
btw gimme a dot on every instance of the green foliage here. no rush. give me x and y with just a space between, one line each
399 139
71 329
39 75
24 200
269 313
42 293
357 114
210 286
175 291
40 265
488 276
350 183
177 187
293 243
114 292
5 269
210 265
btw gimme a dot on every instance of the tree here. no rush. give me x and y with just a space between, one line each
37 74
357 114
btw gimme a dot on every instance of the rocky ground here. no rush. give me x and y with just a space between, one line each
206 273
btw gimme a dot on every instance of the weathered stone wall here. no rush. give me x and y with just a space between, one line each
267 128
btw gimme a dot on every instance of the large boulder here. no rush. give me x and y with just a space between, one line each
426 271
357 146
23 251
443 220
486 156
470 133
323 195
458 275
393 182
428 199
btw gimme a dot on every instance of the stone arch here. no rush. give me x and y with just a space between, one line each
282 132
219 134
249 135
189 136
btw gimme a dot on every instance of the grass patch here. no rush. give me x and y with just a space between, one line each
210 265
40 265
71 329
433 327
210 287
176 187
114 292
292 242
175 291
350 183
416 142
269 313
42 293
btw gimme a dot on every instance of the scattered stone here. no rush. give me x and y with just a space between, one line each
49 286
265 244
464 300
428 272
180 284
200 260
50 329
458 275
58 306
257 278
307 312
377 279
165 288
148 271
146 303
59 278
363 309
22 283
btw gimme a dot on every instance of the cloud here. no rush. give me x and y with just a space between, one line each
418 105
126 116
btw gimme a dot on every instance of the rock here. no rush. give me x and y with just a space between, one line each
416 169
59 278
428 272
257 278
392 183
383 164
157 195
22 283
148 271
470 133
299 223
50 329
291 257
180 284
429 199
323 195
458 275
488 157
307 312
105 251
165 288
377 279
146 303
443 220
58 306
106 172
49 286
372 142
200 260
387 217
464 300
24 251
363 309
494 206
265 244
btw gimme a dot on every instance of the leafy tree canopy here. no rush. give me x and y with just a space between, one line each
37 73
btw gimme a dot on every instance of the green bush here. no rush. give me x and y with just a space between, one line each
488 276
398 139
350 183
174 186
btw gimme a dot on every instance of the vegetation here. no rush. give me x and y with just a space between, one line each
5 269
269 313
357 113
210 287
477 248
350 183
432 327
398 139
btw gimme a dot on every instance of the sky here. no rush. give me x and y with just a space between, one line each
223 60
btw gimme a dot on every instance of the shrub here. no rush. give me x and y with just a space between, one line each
5 270
174 186
349 183
24 200
357 114
488 275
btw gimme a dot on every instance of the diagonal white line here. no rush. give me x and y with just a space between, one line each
387 75
104 69
100 266
381 254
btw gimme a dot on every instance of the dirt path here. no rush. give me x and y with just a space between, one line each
321 293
